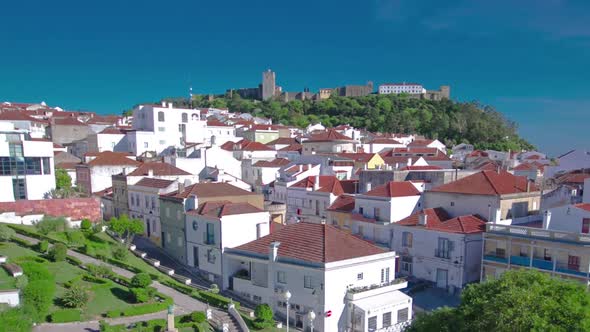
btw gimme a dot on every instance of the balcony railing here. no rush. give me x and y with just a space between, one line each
356 290
570 269
543 264
395 328
520 260
537 233
492 256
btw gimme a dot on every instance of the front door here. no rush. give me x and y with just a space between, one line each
149 230
196 256
441 278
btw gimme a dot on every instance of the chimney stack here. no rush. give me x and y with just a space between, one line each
546 219
409 162
423 219
528 186
163 104
300 168
170 105
150 173
180 188
316 185
273 252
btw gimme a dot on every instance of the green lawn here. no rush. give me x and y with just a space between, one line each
6 280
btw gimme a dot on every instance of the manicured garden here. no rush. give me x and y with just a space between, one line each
194 322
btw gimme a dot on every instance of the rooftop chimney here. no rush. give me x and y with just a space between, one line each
170 105
422 219
163 104
546 219
273 252
409 162
180 188
150 173
124 171
300 168
316 184
528 186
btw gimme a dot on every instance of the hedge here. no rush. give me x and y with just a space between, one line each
217 300
124 265
178 286
34 234
74 260
142 309
66 316
93 279
22 242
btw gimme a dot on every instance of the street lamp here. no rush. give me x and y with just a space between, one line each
311 316
287 298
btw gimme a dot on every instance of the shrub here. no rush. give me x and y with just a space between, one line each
22 242
198 317
88 249
96 280
50 224
140 309
73 260
66 316
22 282
141 280
140 295
86 224
120 252
214 289
76 238
216 299
102 270
73 281
15 320
6 233
123 265
263 314
58 252
178 286
38 297
76 296
43 246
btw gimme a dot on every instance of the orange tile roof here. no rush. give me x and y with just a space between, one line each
292 147
273 163
315 243
360 157
112 158
583 206
158 169
210 189
344 203
488 183
438 220
223 208
328 136
154 183
328 183
394 189
283 140
245 145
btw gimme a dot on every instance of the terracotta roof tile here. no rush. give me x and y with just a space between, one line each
344 203
154 183
75 208
360 157
112 131
283 140
438 220
328 136
158 169
207 189
315 243
224 208
328 183
583 206
273 163
488 183
420 142
394 189
245 145
112 158
292 147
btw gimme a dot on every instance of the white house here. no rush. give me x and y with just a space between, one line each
348 283
21 121
109 139
330 141
586 194
215 226
379 144
288 176
219 132
573 160
246 149
428 143
171 127
26 166
397 88
435 247
97 171
144 203
262 172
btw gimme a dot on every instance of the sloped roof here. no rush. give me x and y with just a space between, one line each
278 162
283 140
18 116
573 177
211 189
158 169
292 147
438 220
488 183
328 183
360 157
216 123
67 121
112 131
245 145
154 183
421 142
113 158
344 203
317 243
394 189
583 206
224 208
328 136
422 168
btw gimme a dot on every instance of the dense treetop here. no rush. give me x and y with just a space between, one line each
449 121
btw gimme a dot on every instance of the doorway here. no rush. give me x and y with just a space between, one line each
442 278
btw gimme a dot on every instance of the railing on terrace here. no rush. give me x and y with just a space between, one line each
375 286
395 328
493 256
538 233
570 269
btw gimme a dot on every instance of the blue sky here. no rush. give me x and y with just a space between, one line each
529 59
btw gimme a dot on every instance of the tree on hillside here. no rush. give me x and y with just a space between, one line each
520 300
126 228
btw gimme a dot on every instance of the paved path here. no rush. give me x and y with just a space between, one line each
183 303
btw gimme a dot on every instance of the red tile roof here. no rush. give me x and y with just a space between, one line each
421 168
208 189
112 131
245 145
533 157
573 178
583 206
421 142
315 243
394 189
344 203
488 183
216 123
283 140
266 127
273 163
112 158
487 166
18 116
57 146
292 147
75 208
328 183
478 153
67 165
154 183
360 157
67 121
224 208
328 136
158 169
350 186
438 220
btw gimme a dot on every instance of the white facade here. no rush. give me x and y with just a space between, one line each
141 141
387 209
219 158
363 288
207 238
26 167
172 127
586 194
397 88
569 218
220 134
573 160
101 142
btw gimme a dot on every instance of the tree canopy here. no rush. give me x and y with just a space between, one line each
126 228
449 121
520 300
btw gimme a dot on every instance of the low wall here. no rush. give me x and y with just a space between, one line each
10 297
31 211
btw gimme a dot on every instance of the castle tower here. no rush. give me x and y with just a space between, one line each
268 84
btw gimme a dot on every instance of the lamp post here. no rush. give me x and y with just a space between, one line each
311 316
287 298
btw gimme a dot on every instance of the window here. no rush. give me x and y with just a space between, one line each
153 202
402 315
211 256
386 319
184 117
444 248
586 225
147 201
33 166
547 254
307 282
161 116
407 265
162 142
407 239
46 165
195 225
573 262
359 276
145 145
210 234
452 203
132 199
376 213
281 277
361 210
19 189
385 275
372 325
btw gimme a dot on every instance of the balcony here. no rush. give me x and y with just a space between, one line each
543 264
492 256
538 233
358 293
570 269
399 327
520 260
